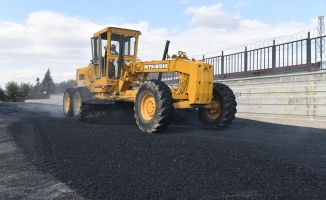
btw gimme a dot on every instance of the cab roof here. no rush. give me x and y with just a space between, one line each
118 31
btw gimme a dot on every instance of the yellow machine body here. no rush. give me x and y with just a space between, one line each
194 88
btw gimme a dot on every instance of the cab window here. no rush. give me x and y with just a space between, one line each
129 45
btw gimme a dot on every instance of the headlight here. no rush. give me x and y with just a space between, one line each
180 53
184 54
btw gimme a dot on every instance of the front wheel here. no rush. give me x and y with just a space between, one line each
223 109
82 95
153 106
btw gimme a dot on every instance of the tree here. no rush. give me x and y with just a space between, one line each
61 87
34 89
24 89
37 81
2 94
46 83
12 91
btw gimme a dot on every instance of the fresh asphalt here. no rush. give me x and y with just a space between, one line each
45 155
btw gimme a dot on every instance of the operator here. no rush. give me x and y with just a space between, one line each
113 49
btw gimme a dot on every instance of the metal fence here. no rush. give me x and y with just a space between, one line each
307 54
299 55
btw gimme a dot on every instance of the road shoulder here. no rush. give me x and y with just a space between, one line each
19 179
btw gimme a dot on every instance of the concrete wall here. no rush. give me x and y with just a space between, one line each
55 99
293 99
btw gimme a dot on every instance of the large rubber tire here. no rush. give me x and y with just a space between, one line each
153 106
82 95
68 97
221 119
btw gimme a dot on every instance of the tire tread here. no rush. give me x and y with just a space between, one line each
228 111
164 108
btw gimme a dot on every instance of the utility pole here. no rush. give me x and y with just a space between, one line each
321 33
321 27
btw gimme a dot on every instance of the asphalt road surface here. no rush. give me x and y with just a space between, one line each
45 155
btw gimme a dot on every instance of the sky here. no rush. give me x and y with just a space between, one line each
37 35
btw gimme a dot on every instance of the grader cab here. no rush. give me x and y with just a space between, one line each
115 74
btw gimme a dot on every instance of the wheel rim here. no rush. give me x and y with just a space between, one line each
215 111
67 103
148 107
78 103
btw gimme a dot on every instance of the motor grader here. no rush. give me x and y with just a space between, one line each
115 74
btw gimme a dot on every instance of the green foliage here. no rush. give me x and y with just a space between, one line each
37 81
61 87
15 92
25 89
46 83
69 82
34 89
3 95
12 91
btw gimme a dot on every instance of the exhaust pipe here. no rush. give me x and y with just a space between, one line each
165 53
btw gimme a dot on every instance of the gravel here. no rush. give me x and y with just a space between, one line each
112 159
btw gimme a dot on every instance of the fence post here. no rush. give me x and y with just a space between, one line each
273 58
308 53
321 52
245 62
222 65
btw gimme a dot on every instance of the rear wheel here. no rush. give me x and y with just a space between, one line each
153 106
68 102
223 109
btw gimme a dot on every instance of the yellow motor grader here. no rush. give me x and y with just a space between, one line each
115 74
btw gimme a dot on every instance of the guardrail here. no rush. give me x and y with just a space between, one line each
294 56
300 55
